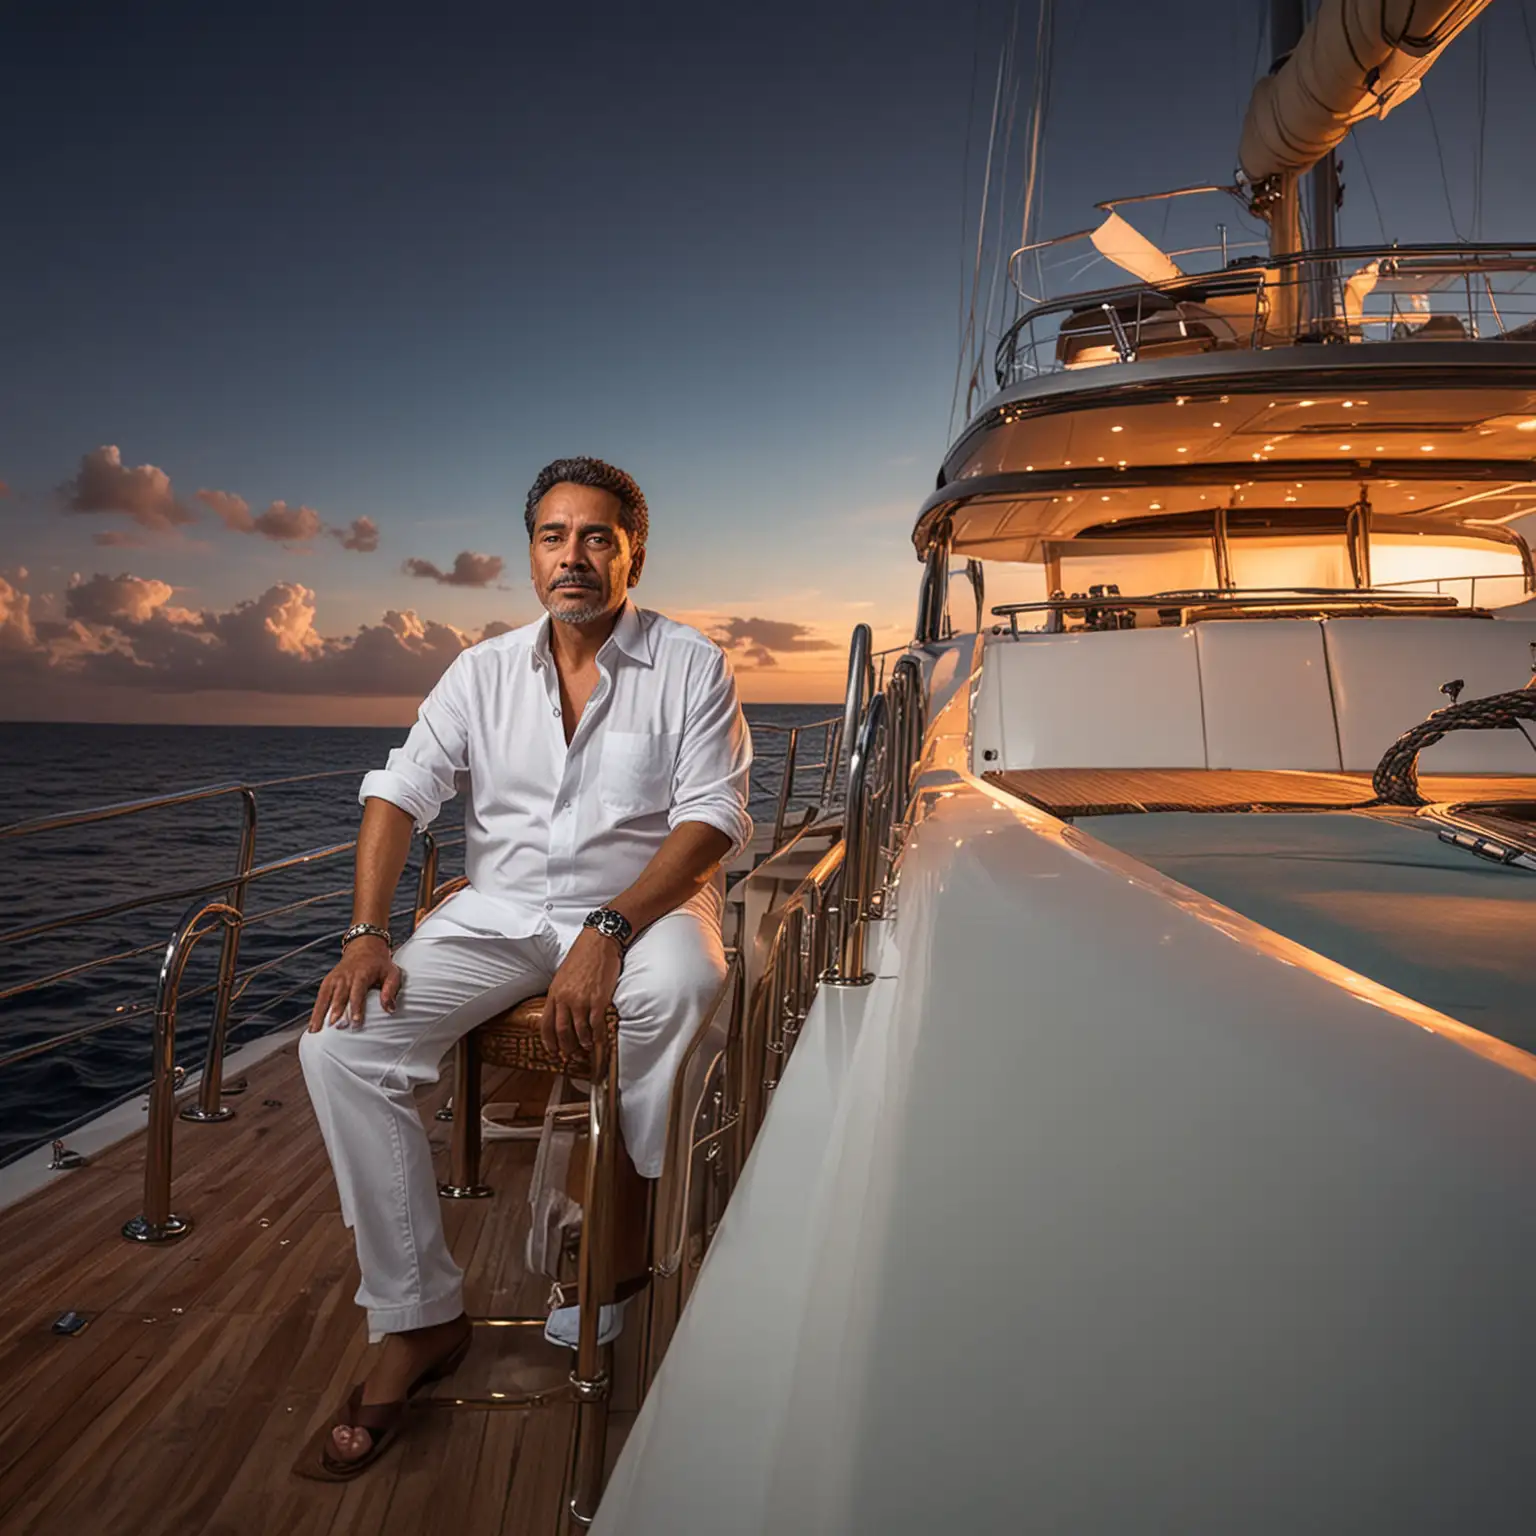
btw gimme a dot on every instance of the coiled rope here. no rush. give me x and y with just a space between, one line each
1396 780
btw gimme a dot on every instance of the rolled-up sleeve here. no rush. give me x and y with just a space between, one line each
712 781
419 776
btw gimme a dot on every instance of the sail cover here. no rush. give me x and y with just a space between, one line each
1357 59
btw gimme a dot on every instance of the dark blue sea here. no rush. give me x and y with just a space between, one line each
165 854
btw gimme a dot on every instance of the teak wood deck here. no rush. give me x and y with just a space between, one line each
1067 792
208 1363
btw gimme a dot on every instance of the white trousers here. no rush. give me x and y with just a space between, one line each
363 1080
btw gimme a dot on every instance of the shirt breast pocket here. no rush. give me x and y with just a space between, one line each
635 774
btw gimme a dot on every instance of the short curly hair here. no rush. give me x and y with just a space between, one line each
634 517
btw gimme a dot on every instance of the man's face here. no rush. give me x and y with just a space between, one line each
581 558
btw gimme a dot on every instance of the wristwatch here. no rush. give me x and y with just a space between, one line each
611 924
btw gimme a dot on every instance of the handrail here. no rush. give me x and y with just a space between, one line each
861 685
861 860
157 1223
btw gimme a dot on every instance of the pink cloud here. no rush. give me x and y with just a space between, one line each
288 525
469 570
233 511
361 534
104 483
124 631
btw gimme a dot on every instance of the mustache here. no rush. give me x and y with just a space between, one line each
575 584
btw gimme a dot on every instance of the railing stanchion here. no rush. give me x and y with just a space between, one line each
210 1107
157 1224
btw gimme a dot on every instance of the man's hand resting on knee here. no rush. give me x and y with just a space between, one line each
365 964
580 994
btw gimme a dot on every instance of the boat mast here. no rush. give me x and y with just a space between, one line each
1354 59
1278 198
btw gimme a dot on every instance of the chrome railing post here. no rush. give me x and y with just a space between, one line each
861 858
860 686
157 1224
210 1106
786 787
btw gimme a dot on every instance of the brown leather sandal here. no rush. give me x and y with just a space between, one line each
383 1421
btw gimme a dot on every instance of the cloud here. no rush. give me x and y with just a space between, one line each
125 631
469 570
17 634
761 642
104 483
117 600
233 511
496 627
288 525
361 534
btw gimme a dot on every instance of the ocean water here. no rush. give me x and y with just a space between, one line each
50 769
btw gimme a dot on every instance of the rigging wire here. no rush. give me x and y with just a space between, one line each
1370 186
1445 180
1482 131
967 340
1040 108
965 174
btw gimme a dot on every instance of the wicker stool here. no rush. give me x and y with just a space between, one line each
511 1039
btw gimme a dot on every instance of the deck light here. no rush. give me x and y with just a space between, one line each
1180 400
1306 402
1426 447
1183 450
1526 426
1103 498
1122 429
1157 506
1215 423
1348 404
1344 447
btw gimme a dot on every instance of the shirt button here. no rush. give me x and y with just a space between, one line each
557 714
549 906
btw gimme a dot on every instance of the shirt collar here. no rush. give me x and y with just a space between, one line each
631 635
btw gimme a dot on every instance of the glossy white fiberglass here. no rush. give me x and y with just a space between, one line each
1106 1210
1260 693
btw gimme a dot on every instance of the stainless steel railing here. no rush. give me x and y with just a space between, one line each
220 903
804 787
819 933
1460 291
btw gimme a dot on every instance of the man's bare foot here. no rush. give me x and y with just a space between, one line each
402 1360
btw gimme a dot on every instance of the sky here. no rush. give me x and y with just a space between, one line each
297 301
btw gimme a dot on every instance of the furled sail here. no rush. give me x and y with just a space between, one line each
1357 59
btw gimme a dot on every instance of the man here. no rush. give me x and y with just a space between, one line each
608 769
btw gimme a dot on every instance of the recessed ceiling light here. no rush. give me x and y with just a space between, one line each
1215 423
1306 402
1378 449
1183 450
1101 458
1344 447
1157 506
1117 429
1526 426
1426 447
1103 498
1029 469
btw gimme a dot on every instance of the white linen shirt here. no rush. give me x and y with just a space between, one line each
552 831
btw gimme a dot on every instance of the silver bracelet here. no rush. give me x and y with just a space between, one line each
357 930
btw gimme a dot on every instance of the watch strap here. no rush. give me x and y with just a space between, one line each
372 930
